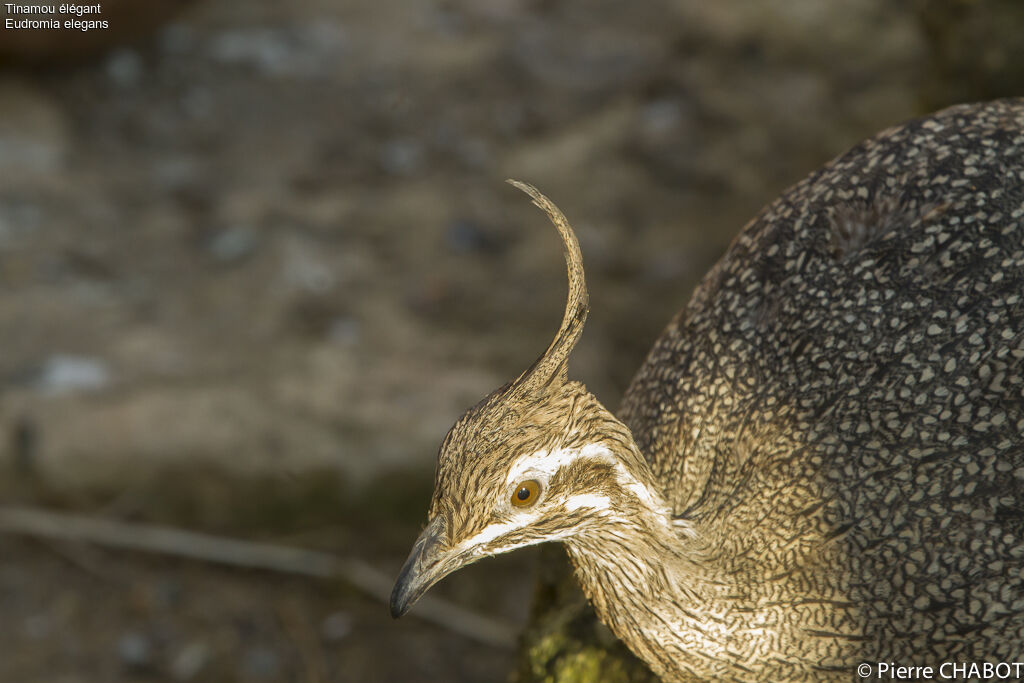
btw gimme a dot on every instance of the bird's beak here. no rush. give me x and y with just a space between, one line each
428 563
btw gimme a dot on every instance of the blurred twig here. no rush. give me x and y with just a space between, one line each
235 553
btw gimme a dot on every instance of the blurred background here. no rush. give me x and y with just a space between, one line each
257 256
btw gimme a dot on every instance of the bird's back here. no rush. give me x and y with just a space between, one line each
848 384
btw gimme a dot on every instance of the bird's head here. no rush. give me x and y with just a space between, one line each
540 459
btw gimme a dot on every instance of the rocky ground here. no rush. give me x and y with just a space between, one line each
254 265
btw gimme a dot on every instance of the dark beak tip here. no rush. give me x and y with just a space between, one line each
417 574
397 607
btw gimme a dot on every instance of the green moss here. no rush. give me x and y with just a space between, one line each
591 664
542 652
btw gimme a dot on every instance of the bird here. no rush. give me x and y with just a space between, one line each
819 465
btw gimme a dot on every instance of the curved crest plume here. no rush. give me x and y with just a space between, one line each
551 366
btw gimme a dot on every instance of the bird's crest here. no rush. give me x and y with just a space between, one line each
552 364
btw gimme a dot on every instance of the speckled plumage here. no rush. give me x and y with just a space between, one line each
827 463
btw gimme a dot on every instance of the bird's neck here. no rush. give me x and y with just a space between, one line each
671 593
658 583
642 569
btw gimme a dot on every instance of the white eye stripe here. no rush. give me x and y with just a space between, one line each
545 463
490 532
542 465
494 531
630 483
588 500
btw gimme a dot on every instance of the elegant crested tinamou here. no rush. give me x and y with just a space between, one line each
821 462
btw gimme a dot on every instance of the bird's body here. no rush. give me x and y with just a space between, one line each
821 461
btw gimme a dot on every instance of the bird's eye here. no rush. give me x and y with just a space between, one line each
526 493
